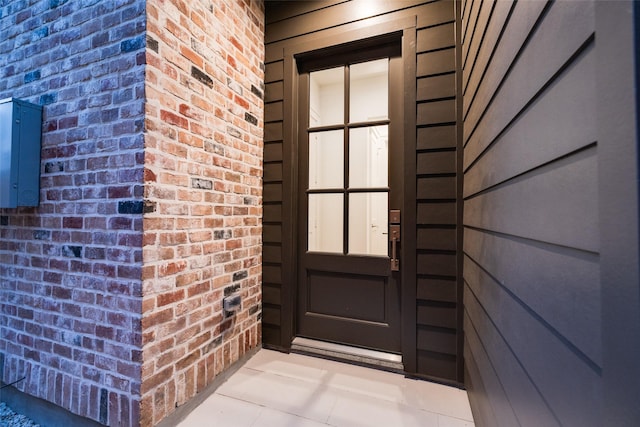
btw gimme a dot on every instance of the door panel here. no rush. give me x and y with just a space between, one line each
349 143
340 295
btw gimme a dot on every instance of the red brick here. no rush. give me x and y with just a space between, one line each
136 126
174 119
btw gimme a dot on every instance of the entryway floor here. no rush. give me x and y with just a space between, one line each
274 389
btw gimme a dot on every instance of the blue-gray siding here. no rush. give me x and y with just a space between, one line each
532 316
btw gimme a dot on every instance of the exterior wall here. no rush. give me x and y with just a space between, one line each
617 62
203 195
70 269
434 314
532 267
150 206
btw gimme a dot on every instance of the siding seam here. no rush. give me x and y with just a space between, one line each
484 349
582 49
491 55
477 53
579 253
522 175
575 350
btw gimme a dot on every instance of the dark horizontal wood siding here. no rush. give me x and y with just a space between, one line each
272 235
436 335
532 316
439 331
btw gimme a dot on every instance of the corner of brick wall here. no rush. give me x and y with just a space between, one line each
70 269
203 195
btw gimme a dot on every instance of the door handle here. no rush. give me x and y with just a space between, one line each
394 235
395 238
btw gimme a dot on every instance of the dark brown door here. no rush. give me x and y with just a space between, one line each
350 178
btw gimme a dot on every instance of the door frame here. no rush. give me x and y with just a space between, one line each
331 38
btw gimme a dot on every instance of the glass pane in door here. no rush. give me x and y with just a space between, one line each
325 223
368 223
369 157
326 97
369 91
326 154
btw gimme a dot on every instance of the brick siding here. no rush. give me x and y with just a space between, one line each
111 290
70 269
203 186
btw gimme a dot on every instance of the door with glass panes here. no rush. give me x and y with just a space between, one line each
350 156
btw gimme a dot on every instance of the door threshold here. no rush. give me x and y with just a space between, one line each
341 352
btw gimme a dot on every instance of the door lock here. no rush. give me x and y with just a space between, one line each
394 236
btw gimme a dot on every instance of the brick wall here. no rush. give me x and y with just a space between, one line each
70 270
203 192
111 290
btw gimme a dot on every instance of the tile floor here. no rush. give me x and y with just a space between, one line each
290 390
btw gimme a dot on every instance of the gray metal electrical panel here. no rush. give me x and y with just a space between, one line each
20 137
